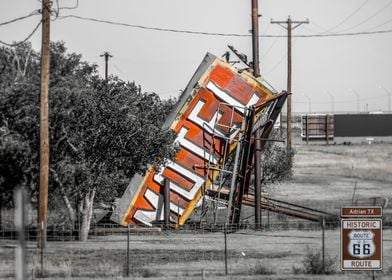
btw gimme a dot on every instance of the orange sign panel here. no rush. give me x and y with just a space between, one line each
216 98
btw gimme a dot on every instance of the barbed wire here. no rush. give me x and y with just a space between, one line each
343 101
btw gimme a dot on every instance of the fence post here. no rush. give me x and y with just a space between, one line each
326 129
178 213
323 242
20 221
42 252
307 129
129 229
166 204
225 234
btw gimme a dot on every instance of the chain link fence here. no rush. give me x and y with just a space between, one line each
190 252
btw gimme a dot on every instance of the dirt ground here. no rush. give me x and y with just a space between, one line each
326 177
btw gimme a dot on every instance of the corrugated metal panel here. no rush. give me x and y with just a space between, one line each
363 125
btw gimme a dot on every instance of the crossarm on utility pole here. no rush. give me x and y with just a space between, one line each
107 55
291 25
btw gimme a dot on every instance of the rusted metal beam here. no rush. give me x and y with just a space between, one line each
279 206
241 185
257 179
250 201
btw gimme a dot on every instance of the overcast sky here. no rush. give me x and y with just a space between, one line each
324 68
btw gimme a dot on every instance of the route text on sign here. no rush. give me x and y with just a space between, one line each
361 242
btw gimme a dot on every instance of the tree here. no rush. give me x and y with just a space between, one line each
18 113
101 132
277 161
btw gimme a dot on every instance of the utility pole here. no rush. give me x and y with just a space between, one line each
389 97
44 125
255 38
309 103
332 102
106 55
289 22
357 96
257 134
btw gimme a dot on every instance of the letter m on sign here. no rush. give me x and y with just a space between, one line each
217 94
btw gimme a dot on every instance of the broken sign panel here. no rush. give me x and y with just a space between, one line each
215 102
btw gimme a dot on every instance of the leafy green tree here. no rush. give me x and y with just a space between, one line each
101 132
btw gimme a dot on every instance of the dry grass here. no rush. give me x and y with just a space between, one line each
324 178
183 256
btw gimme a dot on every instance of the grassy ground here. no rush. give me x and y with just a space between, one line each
276 254
324 178
327 175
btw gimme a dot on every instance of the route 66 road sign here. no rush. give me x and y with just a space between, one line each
361 244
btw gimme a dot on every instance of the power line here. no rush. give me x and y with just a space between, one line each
279 62
367 19
272 69
289 25
24 40
347 18
68 8
224 34
121 72
382 24
271 46
59 8
33 13
342 34
156 28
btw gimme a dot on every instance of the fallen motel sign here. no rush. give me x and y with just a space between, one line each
361 238
208 121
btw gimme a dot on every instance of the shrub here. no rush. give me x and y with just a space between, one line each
260 269
297 270
313 263
146 273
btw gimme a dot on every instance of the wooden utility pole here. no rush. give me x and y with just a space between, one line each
44 125
255 38
289 29
257 134
106 55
